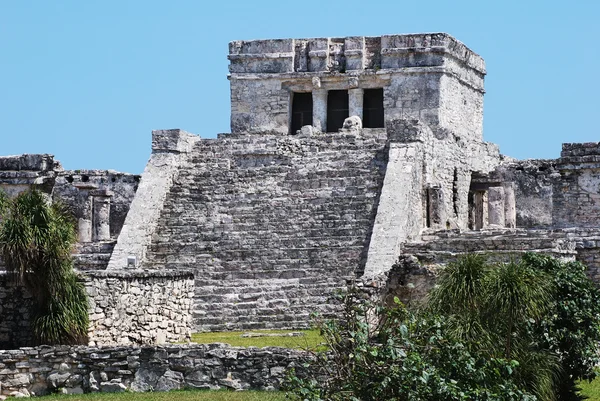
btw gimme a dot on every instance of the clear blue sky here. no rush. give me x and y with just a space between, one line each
89 80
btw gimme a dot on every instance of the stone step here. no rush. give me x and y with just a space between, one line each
94 247
490 244
98 261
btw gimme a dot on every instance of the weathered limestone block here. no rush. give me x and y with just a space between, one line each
29 162
101 214
510 207
399 213
496 206
437 206
355 102
170 150
85 227
480 210
319 108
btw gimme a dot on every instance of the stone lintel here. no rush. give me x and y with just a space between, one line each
138 273
368 78
102 193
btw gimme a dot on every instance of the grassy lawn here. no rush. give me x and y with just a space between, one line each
190 395
310 340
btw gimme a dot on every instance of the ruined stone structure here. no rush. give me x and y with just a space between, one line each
99 200
349 158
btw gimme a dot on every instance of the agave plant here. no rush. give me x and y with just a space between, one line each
36 241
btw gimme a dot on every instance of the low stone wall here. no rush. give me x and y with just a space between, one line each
76 370
139 306
126 307
15 321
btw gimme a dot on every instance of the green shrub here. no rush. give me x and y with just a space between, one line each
405 356
571 328
490 309
522 330
36 241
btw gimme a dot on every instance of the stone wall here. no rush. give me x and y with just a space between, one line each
140 307
577 193
15 321
18 173
75 370
501 245
126 307
533 183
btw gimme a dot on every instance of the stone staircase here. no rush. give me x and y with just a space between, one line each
92 255
272 225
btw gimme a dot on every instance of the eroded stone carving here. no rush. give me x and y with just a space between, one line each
352 123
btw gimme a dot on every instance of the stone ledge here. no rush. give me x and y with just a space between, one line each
280 49
29 162
139 273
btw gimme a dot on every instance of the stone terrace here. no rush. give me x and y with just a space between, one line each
501 244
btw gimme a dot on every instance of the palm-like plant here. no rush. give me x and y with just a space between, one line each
36 240
490 309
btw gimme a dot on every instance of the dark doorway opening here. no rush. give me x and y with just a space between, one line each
302 110
373 108
337 109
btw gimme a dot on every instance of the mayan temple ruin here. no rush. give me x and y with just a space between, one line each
347 159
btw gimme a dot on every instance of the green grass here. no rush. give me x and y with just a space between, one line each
310 340
188 395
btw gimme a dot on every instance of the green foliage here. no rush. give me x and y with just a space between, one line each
377 353
571 328
522 330
36 240
491 308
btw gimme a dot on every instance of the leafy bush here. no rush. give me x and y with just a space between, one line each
522 330
571 328
36 240
405 356
491 309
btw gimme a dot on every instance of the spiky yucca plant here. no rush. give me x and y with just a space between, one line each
36 240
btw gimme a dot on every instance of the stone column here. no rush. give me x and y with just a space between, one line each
355 102
510 207
437 210
101 216
481 209
320 109
85 221
496 215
